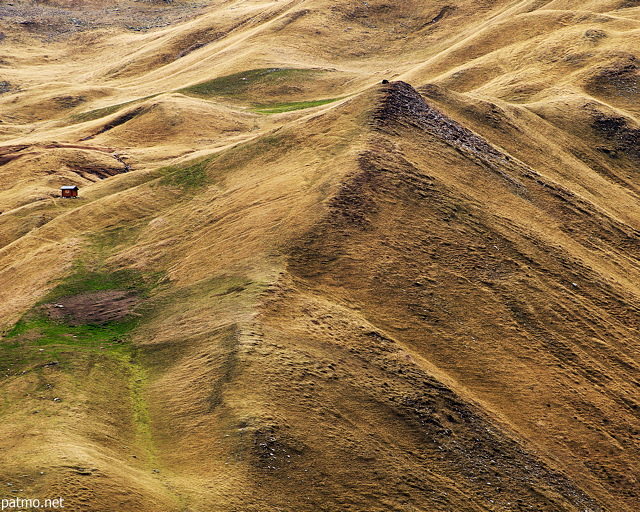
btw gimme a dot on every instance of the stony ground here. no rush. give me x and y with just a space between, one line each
53 21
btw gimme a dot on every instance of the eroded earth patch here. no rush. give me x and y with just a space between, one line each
94 307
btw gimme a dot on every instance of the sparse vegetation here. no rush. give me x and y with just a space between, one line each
189 178
278 108
238 84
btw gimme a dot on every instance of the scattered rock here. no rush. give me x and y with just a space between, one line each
595 34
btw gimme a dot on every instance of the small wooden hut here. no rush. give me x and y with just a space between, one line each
69 191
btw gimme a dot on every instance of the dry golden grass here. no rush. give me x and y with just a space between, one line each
352 296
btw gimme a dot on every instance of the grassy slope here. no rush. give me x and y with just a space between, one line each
356 313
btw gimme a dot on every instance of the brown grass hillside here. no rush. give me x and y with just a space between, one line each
288 286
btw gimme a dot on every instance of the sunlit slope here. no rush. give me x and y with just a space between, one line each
313 33
184 236
272 55
574 69
80 77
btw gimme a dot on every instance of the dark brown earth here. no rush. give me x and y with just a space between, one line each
94 307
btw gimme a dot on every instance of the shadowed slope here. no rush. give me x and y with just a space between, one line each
473 262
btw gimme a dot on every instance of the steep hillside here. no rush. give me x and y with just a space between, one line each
287 284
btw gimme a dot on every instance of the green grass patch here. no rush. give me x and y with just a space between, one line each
51 337
40 330
238 84
277 108
98 113
36 337
85 280
141 420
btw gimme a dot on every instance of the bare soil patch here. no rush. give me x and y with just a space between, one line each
94 307
58 19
